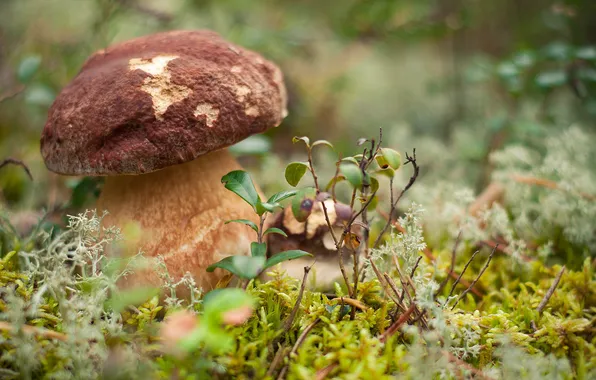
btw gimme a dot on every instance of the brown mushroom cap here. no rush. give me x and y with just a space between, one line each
160 100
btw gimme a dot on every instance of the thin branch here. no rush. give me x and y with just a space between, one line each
290 320
452 267
323 373
462 364
50 334
547 183
415 267
550 291
397 324
394 203
297 345
20 163
461 274
490 257
281 353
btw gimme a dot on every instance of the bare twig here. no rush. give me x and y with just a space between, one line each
352 302
503 248
50 334
323 373
546 183
20 163
279 355
394 203
397 324
415 267
461 274
490 257
550 291
452 266
297 345
462 364
290 320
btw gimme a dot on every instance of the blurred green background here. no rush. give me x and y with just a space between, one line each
456 79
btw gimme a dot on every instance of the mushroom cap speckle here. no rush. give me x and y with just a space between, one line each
160 100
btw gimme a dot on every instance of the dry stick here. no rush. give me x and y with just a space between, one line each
338 243
411 160
493 244
323 373
550 291
490 257
452 267
405 291
460 276
397 324
297 345
290 320
546 183
20 163
432 258
398 302
415 267
281 353
50 334
462 364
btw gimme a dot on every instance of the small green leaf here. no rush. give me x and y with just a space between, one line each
302 203
225 263
274 230
249 223
373 204
263 207
240 183
258 249
334 181
278 197
388 158
134 296
246 267
374 184
295 171
350 159
285 256
27 68
390 173
323 142
305 139
353 174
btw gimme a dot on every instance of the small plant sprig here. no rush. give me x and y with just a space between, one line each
250 267
361 172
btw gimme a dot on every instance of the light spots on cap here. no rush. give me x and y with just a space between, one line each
241 92
252 111
163 92
236 69
211 113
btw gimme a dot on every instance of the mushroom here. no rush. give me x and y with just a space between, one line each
154 115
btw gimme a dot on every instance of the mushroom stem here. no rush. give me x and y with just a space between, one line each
181 213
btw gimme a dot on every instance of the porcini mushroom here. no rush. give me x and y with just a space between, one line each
154 115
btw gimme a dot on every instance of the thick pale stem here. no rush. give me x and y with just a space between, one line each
180 212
